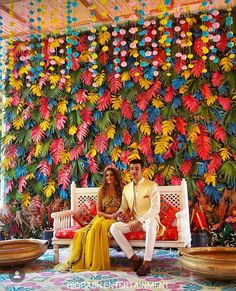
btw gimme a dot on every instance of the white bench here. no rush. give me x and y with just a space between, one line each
175 195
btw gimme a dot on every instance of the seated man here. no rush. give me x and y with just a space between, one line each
140 199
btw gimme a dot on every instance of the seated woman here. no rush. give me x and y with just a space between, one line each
89 249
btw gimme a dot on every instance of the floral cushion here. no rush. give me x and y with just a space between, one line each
167 213
170 234
67 232
86 213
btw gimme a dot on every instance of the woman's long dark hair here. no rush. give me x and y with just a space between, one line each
118 182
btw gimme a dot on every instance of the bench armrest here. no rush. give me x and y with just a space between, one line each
183 225
62 213
62 219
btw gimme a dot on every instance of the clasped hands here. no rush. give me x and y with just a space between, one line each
126 217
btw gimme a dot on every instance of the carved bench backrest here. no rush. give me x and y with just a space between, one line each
176 195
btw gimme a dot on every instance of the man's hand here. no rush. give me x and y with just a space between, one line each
136 226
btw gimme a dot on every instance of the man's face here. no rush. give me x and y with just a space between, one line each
136 171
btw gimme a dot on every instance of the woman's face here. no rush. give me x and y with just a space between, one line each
110 178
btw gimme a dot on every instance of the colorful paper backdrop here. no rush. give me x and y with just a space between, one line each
161 89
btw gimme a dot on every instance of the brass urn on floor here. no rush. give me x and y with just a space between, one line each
216 263
21 251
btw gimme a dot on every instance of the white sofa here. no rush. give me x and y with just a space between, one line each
175 195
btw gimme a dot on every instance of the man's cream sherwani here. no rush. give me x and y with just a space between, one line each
143 202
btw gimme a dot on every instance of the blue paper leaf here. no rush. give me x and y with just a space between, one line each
63 194
20 171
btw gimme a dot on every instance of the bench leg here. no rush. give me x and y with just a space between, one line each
56 253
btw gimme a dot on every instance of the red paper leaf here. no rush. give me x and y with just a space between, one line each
217 79
143 100
101 142
86 78
87 115
11 151
157 126
127 137
215 163
206 90
44 168
143 118
159 179
76 151
81 96
198 66
203 145
190 103
136 73
219 134
56 148
222 43
92 166
154 89
225 103
37 134
180 125
64 176
115 84
103 56
145 145
44 107
178 65
21 184
175 180
60 121
124 157
82 131
84 180
186 167
104 101
198 45
126 109
169 95
82 44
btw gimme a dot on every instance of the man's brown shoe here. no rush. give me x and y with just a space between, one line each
143 270
136 264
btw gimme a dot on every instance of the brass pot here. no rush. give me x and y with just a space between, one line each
20 251
217 263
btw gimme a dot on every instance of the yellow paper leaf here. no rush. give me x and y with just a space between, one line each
25 200
186 74
17 84
9 138
162 144
157 103
210 179
149 172
36 90
225 154
125 76
116 102
144 128
211 100
45 124
192 132
72 130
183 89
126 176
144 83
84 56
93 97
99 79
92 152
19 107
54 79
167 127
24 70
226 64
65 157
62 107
104 37
167 172
18 123
38 149
50 188
115 154
111 131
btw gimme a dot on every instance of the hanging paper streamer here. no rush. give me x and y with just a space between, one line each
229 23
93 42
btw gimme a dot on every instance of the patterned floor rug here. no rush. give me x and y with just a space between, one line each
166 275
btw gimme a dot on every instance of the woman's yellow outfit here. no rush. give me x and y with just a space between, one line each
89 249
